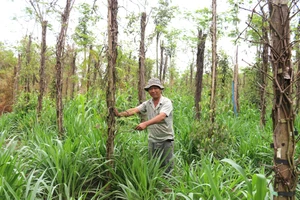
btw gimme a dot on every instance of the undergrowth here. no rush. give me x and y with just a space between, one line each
232 163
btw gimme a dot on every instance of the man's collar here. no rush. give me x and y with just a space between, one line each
160 99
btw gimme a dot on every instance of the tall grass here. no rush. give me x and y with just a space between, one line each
12 178
37 164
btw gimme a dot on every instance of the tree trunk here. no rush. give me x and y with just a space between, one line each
111 79
297 107
191 75
73 66
42 68
236 84
286 177
172 72
142 95
27 74
141 91
88 75
199 72
165 69
68 71
97 69
214 66
157 40
161 59
59 68
16 79
127 67
263 79
192 69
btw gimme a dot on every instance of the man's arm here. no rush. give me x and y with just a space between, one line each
126 113
154 120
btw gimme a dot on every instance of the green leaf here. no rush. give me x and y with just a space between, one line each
259 182
212 183
242 172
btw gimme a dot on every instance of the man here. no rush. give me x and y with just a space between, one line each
159 112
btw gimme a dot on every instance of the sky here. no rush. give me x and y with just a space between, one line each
10 30
15 24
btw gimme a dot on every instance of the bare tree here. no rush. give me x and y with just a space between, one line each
162 17
162 49
40 15
73 67
112 55
236 84
16 79
264 72
88 75
199 72
59 68
142 70
27 77
192 69
214 65
42 67
142 95
97 66
286 176
165 68
297 107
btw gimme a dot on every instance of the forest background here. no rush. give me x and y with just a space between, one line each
57 148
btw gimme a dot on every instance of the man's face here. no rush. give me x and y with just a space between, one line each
155 92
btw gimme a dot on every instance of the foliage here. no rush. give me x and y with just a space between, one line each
12 177
257 22
75 166
201 18
232 17
7 58
7 64
22 107
233 163
83 36
258 188
163 15
250 86
138 178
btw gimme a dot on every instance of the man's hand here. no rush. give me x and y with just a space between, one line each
116 112
154 120
121 114
141 126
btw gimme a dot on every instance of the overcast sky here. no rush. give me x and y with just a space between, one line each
15 24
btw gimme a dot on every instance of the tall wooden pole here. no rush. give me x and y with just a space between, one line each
214 66
111 78
199 72
286 177
142 95
42 68
59 68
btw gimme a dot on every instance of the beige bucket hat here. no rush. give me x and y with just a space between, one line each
154 82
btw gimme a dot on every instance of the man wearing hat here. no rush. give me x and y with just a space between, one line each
159 124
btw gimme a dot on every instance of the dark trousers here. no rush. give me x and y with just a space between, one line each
165 151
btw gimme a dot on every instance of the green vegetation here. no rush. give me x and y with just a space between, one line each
35 163
231 160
